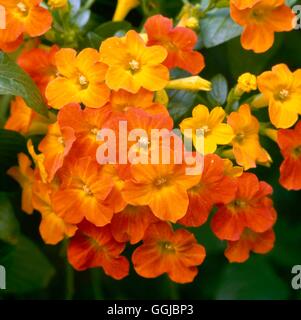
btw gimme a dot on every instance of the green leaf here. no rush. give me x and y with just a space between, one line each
218 27
11 143
218 94
27 269
14 81
180 103
9 226
106 30
255 279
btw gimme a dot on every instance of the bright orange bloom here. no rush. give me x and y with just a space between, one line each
53 229
231 170
80 80
289 141
178 41
25 16
131 223
176 253
246 145
160 186
39 63
25 120
93 247
82 192
214 187
282 89
24 175
55 146
122 100
118 173
239 251
9 46
86 124
260 20
132 65
249 208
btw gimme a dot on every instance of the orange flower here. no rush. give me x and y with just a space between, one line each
93 247
176 253
239 251
55 146
80 80
53 229
11 45
86 124
178 41
24 120
132 65
122 100
260 20
160 186
24 175
25 16
131 223
214 187
246 145
118 173
39 63
282 89
289 141
82 193
249 208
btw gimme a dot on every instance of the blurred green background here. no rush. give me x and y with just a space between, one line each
38 271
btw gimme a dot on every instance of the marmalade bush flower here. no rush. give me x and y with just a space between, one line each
80 80
132 65
282 89
98 207
215 131
178 41
289 142
176 253
246 145
260 20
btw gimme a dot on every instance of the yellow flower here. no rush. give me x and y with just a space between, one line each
123 8
282 88
54 4
246 146
247 82
215 131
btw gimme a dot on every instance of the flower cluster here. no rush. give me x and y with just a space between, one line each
102 205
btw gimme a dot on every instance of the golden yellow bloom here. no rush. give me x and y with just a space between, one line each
194 83
55 4
282 88
123 8
215 131
246 145
231 170
247 82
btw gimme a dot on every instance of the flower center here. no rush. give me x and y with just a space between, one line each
22 7
87 190
83 81
160 182
206 129
240 137
134 65
95 131
239 204
283 94
297 152
167 247
258 14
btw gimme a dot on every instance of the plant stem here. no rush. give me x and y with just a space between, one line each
96 283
